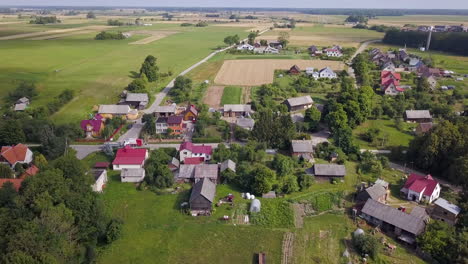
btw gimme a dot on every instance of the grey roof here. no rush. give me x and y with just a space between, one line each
297 117
329 170
376 191
448 206
20 107
416 114
302 146
206 171
23 100
186 171
297 101
137 97
175 162
114 109
165 109
237 108
395 217
420 212
133 172
245 122
414 61
205 188
328 70
382 182
228 164
97 173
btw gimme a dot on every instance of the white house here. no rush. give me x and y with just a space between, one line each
421 188
271 50
100 180
189 150
132 175
130 158
327 73
245 46
333 52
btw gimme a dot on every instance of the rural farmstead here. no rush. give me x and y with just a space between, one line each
233 132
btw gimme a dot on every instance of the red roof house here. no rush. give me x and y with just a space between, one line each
194 161
16 154
130 158
390 74
92 127
421 188
190 150
191 113
16 183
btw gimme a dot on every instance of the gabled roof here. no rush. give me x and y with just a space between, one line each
95 124
302 100
237 108
193 110
186 171
327 70
376 191
204 188
16 183
175 120
175 162
20 107
97 173
302 146
386 74
103 164
201 149
31 171
130 156
114 109
228 164
382 182
393 216
14 154
419 183
166 109
417 114
295 68
206 171
329 170
452 208
137 97
22 100
194 160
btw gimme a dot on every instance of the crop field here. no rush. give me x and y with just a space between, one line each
231 95
258 72
213 96
153 36
52 33
98 71
325 35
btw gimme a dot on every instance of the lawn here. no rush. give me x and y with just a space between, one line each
156 231
99 70
231 95
389 135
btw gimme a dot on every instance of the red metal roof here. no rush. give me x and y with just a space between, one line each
202 149
95 124
194 161
102 164
16 183
14 154
418 183
130 156
31 171
386 74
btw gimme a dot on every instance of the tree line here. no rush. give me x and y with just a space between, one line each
45 20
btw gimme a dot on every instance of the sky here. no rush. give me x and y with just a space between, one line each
403 4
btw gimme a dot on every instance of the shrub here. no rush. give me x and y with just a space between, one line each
114 230
105 35
274 214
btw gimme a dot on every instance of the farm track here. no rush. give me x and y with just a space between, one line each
154 35
287 249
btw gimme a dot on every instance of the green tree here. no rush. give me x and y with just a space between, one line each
114 230
150 69
90 15
150 124
40 161
11 133
24 89
137 86
366 244
5 171
283 38
283 165
251 38
290 184
423 85
312 118
264 179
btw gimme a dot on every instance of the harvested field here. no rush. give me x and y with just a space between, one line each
258 72
52 32
251 26
213 96
154 35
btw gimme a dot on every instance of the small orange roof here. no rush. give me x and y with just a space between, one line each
16 183
31 171
15 153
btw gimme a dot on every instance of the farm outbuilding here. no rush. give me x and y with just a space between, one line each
255 206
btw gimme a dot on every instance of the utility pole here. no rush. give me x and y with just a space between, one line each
428 44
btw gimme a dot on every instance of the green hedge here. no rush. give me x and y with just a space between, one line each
207 140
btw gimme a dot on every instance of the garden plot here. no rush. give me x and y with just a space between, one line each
213 96
153 36
258 72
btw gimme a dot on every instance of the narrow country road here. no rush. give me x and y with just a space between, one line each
361 48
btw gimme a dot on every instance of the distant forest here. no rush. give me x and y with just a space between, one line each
318 11
454 42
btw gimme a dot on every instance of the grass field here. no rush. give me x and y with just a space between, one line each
419 20
389 134
231 95
86 65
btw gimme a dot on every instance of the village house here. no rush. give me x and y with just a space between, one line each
174 164
276 45
414 64
12 155
245 123
111 111
237 110
402 55
202 197
329 170
294 70
423 128
299 103
245 46
137 100
405 227
175 123
418 116
15 182
165 111
328 73
420 188
314 51
100 180
227 165
445 211
132 175
21 104
375 192
191 113
194 173
130 158
302 149
333 52
92 127
190 150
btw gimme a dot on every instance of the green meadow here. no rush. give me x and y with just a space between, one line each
99 70
231 95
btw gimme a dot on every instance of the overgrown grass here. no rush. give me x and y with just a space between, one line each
231 95
389 135
274 213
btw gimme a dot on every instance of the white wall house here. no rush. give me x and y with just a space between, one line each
132 175
333 53
421 188
100 178
327 73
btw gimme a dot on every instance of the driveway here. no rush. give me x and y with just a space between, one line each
320 137
133 132
84 150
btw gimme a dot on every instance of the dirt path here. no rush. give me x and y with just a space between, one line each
213 96
51 32
154 35
287 249
299 213
246 93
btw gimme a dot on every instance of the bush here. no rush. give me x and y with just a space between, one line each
114 230
105 35
366 244
111 22
186 24
274 214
